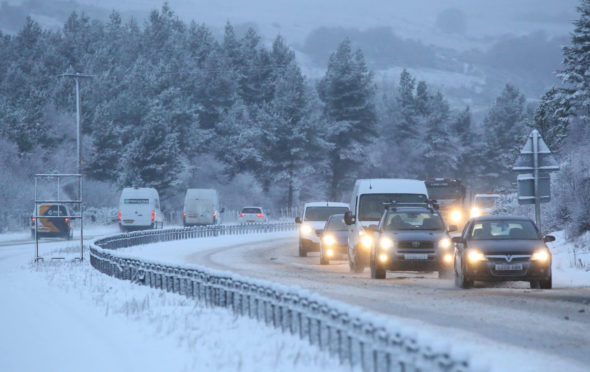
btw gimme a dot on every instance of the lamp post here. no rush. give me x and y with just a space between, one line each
77 76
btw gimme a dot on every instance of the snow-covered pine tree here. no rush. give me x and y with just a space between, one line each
576 73
552 118
440 156
505 131
153 159
348 92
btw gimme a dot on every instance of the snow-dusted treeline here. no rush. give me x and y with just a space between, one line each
173 106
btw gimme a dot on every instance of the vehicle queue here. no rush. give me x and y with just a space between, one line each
389 225
393 225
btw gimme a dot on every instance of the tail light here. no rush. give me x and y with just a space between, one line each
184 214
120 218
259 215
153 215
214 214
33 221
67 221
242 214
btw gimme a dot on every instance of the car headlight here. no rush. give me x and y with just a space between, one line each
306 229
383 257
366 241
456 215
444 243
475 212
540 255
476 256
448 258
329 240
386 242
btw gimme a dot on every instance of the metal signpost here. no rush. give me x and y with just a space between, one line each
534 163
58 201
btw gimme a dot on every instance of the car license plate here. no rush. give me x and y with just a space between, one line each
129 221
506 267
415 256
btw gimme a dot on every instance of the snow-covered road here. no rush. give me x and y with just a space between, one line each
66 316
506 326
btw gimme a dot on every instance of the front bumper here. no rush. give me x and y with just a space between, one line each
310 245
402 262
337 249
486 271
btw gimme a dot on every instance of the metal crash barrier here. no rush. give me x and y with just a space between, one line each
355 337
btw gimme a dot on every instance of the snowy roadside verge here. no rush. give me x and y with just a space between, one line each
571 260
66 316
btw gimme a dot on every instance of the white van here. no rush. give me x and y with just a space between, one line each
139 209
367 206
313 220
201 207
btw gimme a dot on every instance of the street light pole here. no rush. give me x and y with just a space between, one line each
77 76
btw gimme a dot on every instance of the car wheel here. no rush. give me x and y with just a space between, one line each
358 266
547 284
445 273
302 250
377 271
535 284
461 280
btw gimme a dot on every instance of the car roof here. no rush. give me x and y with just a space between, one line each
391 186
326 204
251 206
411 209
499 217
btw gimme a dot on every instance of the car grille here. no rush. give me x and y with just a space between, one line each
415 246
508 258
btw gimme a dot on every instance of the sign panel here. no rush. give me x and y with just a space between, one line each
526 188
525 161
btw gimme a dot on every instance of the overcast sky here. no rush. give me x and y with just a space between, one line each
294 19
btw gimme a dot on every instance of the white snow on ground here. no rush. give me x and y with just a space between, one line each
66 316
565 257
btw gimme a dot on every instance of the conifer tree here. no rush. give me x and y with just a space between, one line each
347 91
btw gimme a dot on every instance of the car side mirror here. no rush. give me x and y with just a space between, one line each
452 228
549 238
297 219
222 210
349 219
457 239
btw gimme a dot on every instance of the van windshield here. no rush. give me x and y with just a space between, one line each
136 201
252 210
322 213
371 205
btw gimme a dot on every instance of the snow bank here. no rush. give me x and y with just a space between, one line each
65 316
571 261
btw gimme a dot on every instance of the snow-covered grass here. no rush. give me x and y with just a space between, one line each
66 316
571 260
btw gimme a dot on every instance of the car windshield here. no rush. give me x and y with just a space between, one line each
322 213
504 230
336 223
444 192
405 220
252 210
371 205
485 203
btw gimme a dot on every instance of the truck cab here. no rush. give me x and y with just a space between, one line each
451 196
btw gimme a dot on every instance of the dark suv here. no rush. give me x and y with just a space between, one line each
411 237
